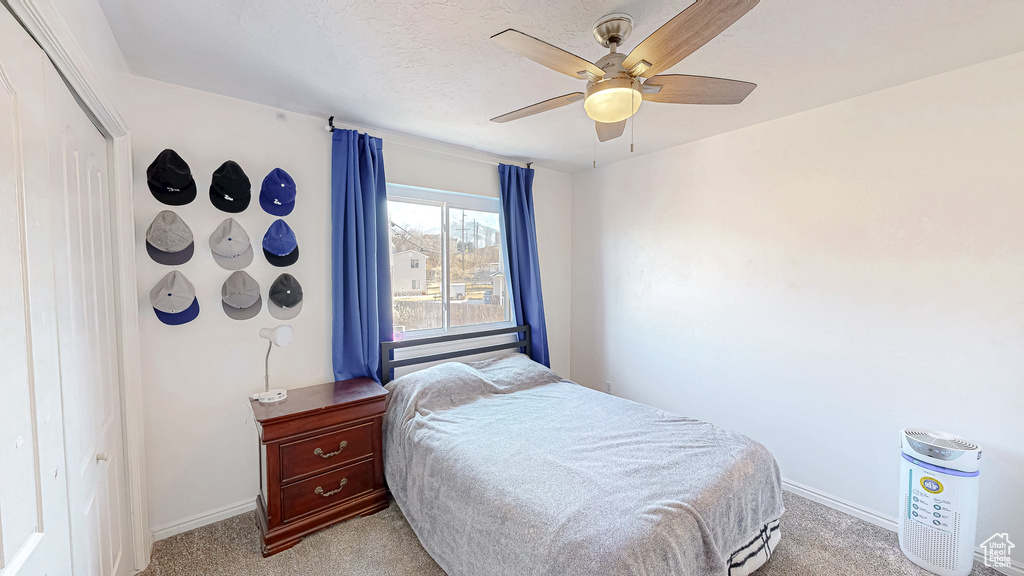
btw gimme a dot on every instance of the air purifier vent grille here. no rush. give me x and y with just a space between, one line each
942 440
939 549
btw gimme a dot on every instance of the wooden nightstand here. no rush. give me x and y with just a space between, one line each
320 460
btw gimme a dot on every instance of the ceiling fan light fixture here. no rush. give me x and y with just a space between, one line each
613 100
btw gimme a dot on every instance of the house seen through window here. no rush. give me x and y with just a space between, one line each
447 263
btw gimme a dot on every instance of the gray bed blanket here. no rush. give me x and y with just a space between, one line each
504 468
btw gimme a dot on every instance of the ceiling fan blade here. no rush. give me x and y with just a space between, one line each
551 104
683 89
607 132
686 32
543 53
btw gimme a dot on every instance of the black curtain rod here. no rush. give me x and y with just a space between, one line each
331 128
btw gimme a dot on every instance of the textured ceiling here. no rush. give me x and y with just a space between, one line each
427 67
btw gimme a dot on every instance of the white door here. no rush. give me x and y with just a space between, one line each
88 341
68 287
34 537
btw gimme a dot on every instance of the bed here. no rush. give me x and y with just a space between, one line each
503 468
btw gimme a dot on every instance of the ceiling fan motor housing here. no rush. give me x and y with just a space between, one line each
613 29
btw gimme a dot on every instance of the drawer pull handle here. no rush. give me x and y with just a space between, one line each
321 492
320 451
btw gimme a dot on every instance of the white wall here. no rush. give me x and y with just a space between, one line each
822 280
553 211
200 441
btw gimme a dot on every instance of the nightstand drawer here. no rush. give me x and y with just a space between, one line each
326 451
326 489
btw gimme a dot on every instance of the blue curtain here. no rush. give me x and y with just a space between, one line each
523 264
361 271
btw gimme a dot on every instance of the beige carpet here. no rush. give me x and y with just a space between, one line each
816 541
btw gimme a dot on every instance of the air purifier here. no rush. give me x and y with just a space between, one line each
938 500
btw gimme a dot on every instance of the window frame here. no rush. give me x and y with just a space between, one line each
462 201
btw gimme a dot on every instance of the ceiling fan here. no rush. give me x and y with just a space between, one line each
614 91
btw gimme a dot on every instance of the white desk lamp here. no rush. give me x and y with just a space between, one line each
280 336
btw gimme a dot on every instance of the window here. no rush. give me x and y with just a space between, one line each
461 281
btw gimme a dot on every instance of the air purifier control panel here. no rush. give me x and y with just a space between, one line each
929 506
935 451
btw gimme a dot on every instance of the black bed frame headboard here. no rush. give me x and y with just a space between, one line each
388 365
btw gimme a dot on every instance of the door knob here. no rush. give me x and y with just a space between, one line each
101 456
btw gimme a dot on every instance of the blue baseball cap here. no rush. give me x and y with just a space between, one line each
277 196
279 244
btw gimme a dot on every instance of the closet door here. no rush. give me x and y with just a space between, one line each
34 535
62 489
86 325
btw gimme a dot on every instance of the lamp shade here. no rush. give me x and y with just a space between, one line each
613 99
280 336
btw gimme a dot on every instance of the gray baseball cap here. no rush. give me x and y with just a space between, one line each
230 245
285 297
169 239
174 299
240 296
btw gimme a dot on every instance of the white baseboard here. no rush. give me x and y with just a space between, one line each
872 516
202 519
845 506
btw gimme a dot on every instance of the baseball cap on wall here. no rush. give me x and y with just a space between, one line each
169 240
240 296
230 245
280 245
230 189
277 195
285 297
174 299
170 179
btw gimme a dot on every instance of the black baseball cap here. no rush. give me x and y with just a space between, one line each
170 179
230 189
285 297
